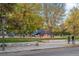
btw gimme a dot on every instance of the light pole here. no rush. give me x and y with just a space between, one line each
3 34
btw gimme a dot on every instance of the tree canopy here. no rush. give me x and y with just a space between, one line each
28 17
72 22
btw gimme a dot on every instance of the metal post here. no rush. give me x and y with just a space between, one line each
3 35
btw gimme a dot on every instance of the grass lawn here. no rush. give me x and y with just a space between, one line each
7 40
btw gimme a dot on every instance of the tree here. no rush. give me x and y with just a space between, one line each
72 22
53 14
26 18
5 9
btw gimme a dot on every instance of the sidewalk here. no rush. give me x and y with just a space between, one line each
42 45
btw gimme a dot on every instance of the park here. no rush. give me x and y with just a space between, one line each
27 27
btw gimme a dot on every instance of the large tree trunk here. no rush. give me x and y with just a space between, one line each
51 33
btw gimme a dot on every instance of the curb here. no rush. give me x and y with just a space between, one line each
65 46
30 50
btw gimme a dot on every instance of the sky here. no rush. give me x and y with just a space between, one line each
70 6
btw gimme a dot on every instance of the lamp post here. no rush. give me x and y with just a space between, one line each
3 34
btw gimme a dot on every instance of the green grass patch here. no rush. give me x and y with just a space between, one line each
11 40
60 37
7 40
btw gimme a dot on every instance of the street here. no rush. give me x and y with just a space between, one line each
46 52
58 52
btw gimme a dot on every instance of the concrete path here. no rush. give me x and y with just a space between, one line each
31 45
